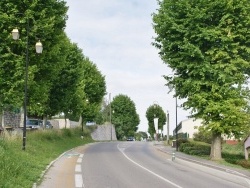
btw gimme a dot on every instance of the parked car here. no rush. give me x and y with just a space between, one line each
37 124
49 125
33 123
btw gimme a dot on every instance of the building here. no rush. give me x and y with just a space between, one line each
187 128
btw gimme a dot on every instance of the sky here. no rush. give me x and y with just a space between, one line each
117 36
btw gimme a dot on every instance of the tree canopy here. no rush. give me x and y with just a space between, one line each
124 116
155 111
207 44
61 79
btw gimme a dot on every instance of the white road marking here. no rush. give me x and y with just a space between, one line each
78 181
78 168
79 160
144 168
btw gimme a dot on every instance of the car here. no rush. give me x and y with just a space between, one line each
33 123
49 125
37 124
130 138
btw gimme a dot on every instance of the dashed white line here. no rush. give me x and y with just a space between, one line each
78 169
79 160
78 181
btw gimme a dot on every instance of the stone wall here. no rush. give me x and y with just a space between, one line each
11 119
103 133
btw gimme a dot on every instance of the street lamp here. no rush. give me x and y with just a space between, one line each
168 127
176 123
39 49
156 120
110 116
87 101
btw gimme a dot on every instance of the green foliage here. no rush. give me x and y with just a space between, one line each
155 111
125 117
141 135
195 148
233 153
95 89
23 168
203 135
208 47
244 163
35 19
61 78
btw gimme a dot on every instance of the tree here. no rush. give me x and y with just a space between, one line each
207 44
95 89
141 136
34 19
155 111
125 117
103 114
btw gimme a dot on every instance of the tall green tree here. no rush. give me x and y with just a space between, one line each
124 116
94 88
67 92
207 44
155 111
44 20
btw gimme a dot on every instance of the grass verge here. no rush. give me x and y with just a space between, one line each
20 169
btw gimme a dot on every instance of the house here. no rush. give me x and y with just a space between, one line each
187 128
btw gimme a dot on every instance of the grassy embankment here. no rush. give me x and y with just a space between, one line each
20 169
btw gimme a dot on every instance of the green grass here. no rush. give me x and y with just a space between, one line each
232 155
20 169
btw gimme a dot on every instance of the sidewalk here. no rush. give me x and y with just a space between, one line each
212 164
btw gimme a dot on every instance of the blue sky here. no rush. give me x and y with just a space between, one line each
116 35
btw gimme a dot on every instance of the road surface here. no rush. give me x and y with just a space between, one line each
133 165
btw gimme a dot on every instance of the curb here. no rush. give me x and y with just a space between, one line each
234 172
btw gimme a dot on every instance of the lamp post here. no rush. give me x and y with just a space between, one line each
176 124
39 49
168 127
156 120
110 116
87 101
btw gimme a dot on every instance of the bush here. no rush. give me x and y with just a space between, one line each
195 148
244 163
203 136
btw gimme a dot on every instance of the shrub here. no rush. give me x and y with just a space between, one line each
244 163
195 148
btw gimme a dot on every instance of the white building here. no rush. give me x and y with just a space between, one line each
188 127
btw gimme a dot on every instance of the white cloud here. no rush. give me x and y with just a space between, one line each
116 35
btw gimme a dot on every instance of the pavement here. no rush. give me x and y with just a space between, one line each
194 159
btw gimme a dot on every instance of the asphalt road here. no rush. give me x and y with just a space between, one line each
133 165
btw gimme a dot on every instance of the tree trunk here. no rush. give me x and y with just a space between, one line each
215 153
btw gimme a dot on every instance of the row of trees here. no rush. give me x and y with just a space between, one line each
61 79
207 45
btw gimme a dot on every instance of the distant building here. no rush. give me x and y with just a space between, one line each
187 128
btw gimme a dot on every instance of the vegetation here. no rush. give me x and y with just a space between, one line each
21 169
61 79
155 111
141 136
124 116
231 154
207 46
203 135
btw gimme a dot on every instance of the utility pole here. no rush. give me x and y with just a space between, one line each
110 115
